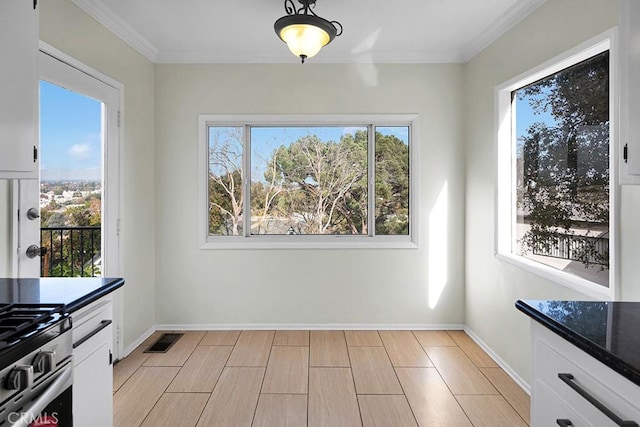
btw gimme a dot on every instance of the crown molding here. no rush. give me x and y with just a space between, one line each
114 23
216 57
516 13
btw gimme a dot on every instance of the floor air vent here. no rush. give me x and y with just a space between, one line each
164 343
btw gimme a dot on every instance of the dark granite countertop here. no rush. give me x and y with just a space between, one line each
608 331
74 292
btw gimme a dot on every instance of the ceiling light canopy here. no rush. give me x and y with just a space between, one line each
304 32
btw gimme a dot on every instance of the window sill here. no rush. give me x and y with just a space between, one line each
302 242
570 281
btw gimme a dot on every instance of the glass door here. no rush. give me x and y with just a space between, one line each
71 182
69 217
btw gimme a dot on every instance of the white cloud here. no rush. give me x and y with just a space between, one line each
80 151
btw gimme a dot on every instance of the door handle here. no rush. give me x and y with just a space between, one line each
34 251
33 213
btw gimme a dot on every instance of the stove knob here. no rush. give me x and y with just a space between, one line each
44 362
20 378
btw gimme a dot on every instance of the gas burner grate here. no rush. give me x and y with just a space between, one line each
16 318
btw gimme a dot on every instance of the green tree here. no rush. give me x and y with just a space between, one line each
564 164
392 185
325 183
226 178
225 203
72 251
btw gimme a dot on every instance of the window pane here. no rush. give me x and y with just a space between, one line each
309 180
562 170
392 180
225 181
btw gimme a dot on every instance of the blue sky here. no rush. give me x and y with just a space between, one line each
525 117
70 135
265 139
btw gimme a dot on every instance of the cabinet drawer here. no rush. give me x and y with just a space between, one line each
91 326
554 408
553 356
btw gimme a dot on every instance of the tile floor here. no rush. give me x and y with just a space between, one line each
317 378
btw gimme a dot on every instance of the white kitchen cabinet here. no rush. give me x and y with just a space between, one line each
18 89
93 370
555 402
630 91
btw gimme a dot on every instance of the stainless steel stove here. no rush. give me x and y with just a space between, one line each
36 370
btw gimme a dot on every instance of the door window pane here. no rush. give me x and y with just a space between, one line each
71 188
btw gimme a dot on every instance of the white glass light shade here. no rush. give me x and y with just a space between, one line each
304 40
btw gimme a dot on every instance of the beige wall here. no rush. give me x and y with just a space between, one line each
304 286
493 286
67 28
171 281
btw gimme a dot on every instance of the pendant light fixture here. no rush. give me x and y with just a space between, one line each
304 32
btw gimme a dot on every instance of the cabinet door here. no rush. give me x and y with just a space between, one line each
549 408
93 384
18 89
630 91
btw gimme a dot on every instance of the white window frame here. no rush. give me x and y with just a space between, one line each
308 241
505 157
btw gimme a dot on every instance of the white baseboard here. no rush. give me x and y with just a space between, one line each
303 326
138 341
505 367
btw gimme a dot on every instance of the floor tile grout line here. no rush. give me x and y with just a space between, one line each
501 394
217 381
353 380
468 353
283 394
362 345
447 384
422 347
450 391
462 409
159 397
474 365
173 346
400 382
128 378
308 377
186 392
264 375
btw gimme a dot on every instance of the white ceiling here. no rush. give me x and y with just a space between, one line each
241 31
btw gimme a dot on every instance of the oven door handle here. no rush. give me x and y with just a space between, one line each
56 387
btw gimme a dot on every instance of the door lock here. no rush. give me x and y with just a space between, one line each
33 213
34 251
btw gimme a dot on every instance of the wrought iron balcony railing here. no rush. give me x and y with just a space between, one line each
71 251
586 249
